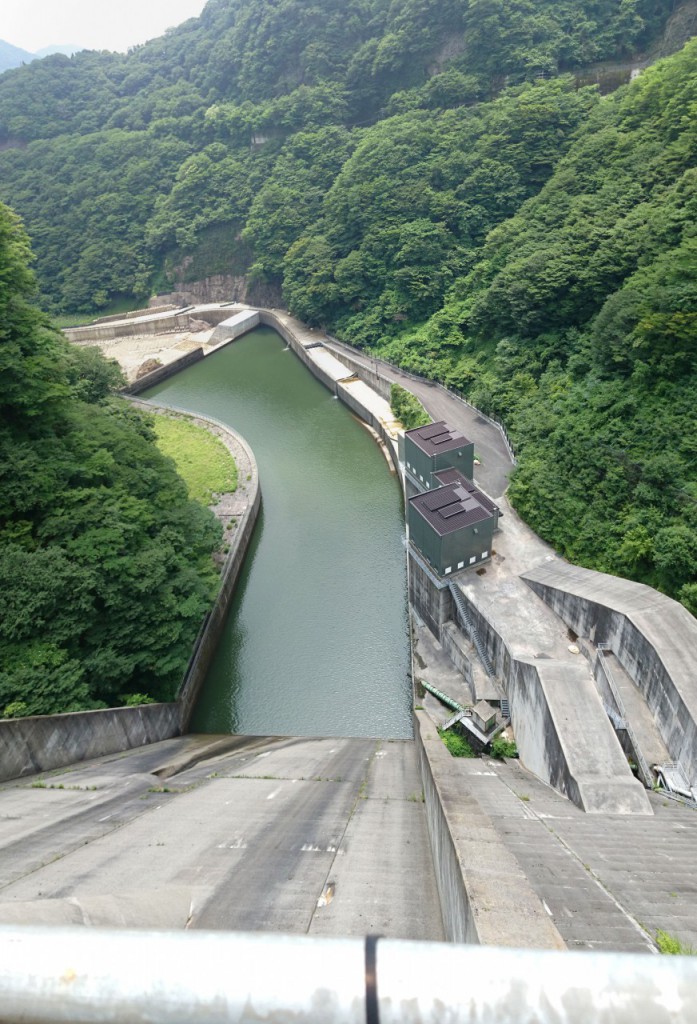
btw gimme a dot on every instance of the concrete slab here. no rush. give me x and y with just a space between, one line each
375 882
643 724
474 866
610 883
328 364
223 833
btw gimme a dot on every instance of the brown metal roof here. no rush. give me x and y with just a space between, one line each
453 476
456 504
437 437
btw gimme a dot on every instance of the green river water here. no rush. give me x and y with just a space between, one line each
316 639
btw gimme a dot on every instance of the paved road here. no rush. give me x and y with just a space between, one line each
324 836
496 464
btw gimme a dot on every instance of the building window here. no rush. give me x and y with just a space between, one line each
460 565
428 484
473 559
421 478
449 569
485 554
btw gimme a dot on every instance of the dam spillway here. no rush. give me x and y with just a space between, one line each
316 641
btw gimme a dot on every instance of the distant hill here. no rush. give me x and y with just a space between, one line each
67 49
12 56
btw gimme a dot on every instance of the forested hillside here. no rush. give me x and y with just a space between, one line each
105 564
428 179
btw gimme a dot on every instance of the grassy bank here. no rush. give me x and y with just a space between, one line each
202 459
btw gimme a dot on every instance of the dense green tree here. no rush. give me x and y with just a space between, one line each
105 565
418 176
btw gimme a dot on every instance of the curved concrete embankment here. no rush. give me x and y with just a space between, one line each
48 742
242 511
653 637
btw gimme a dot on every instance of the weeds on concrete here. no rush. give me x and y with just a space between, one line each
456 744
672 946
502 747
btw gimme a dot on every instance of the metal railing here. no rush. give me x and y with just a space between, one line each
493 420
466 621
647 776
90 976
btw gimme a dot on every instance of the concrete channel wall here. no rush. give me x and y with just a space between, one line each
653 638
47 742
210 636
484 895
354 393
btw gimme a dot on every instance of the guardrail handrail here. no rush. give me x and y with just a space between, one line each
435 383
80 975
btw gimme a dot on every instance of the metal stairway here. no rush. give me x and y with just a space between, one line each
471 629
505 709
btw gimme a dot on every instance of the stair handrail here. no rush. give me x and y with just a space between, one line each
472 629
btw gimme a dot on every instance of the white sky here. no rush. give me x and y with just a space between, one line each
92 24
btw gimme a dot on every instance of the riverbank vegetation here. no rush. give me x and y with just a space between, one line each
432 182
202 460
105 563
407 408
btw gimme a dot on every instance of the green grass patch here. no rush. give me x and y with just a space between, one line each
122 305
672 946
456 744
202 460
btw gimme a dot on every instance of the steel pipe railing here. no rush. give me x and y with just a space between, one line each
93 976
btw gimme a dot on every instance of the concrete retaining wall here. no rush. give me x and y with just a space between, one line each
208 642
484 895
647 633
373 379
562 732
160 323
163 372
433 604
453 642
43 743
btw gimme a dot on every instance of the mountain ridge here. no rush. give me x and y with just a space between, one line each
483 219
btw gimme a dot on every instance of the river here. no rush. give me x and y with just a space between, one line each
316 641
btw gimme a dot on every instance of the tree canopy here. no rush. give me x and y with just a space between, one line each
430 180
105 565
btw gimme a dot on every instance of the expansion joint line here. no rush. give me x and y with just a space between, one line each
359 796
650 945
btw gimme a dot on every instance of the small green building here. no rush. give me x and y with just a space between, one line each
453 524
432 448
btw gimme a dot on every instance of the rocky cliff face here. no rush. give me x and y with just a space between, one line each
681 26
220 288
